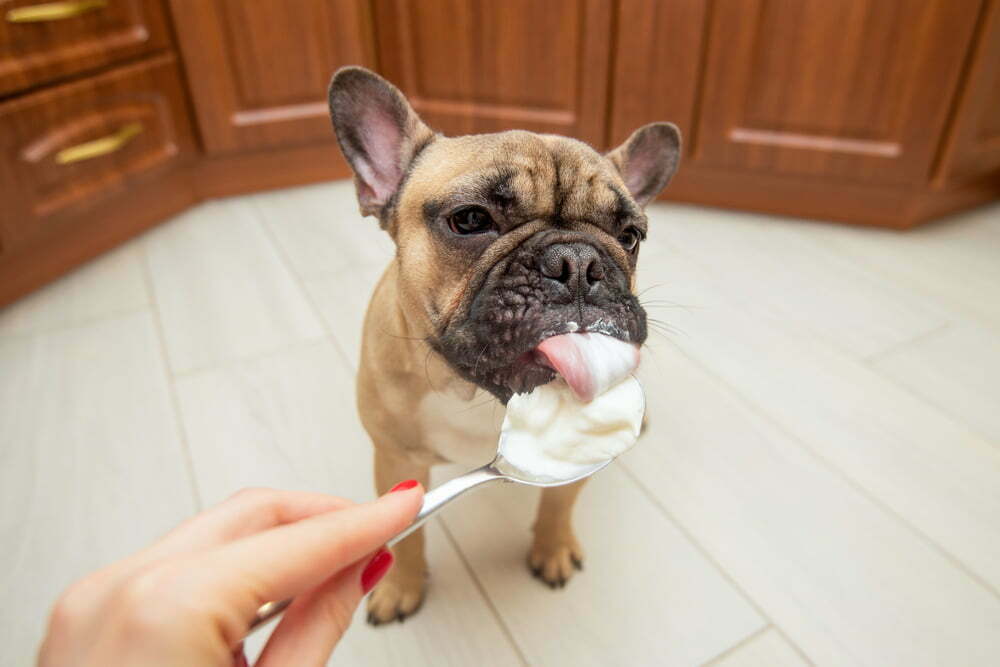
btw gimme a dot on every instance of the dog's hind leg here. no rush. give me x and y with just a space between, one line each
555 553
402 590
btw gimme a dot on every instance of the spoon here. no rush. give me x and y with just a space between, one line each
499 469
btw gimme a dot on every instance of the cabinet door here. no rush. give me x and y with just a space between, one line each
42 40
657 65
974 149
848 89
258 71
470 66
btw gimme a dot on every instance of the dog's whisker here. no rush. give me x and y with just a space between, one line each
649 288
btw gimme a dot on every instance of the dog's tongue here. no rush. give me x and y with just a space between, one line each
589 363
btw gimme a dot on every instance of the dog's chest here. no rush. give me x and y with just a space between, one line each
460 431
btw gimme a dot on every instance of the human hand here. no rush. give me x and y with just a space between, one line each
190 597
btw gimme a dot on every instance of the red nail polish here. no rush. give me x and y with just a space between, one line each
403 486
376 569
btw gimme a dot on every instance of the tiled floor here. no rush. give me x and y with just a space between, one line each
820 482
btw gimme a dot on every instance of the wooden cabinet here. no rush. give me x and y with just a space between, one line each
869 111
469 66
835 110
854 90
44 41
259 70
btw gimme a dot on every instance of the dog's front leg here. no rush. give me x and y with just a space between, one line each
401 592
555 553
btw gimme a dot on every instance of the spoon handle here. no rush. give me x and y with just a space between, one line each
441 495
434 500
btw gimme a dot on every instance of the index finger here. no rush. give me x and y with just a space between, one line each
235 579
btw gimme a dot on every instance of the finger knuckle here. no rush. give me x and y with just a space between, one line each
73 605
337 612
148 600
252 494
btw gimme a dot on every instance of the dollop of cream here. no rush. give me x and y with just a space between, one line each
552 435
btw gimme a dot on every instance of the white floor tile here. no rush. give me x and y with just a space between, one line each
110 284
768 649
91 463
222 289
957 370
954 261
792 282
342 299
935 472
288 421
320 229
845 579
645 597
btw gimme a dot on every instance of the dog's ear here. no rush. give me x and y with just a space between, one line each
378 131
648 159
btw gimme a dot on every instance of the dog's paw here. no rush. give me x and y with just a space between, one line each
554 561
395 598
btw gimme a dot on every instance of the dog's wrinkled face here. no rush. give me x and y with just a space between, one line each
503 239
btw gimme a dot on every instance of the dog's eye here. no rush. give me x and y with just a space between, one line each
471 220
629 238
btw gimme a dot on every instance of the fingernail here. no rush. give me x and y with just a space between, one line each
376 569
403 486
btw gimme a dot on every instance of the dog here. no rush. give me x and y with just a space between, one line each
502 240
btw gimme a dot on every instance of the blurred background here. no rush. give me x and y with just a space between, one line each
183 274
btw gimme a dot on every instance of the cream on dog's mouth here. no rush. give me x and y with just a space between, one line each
588 362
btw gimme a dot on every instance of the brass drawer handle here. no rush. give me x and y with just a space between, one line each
98 147
53 11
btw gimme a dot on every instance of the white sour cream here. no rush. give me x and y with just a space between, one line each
551 434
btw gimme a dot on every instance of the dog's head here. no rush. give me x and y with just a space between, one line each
506 239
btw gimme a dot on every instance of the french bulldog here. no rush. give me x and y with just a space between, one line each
502 240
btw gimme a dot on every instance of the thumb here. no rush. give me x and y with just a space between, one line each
316 621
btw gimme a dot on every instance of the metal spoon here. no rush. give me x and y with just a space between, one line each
499 469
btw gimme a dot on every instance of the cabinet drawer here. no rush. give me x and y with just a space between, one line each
67 149
44 40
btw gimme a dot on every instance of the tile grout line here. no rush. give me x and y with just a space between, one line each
482 592
758 410
154 306
901 283
86 321
299 282
737 646
934 405
700 548
872 359
803 330
234 362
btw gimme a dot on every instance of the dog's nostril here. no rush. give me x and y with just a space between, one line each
569 263
557 263
595 271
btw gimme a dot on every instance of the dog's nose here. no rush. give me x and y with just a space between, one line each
578 266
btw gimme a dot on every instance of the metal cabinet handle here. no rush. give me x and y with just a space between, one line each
53 11
98 147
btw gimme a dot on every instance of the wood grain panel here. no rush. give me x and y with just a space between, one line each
32 53
471 67
40 193
259 70
974 146
657 61
855 90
